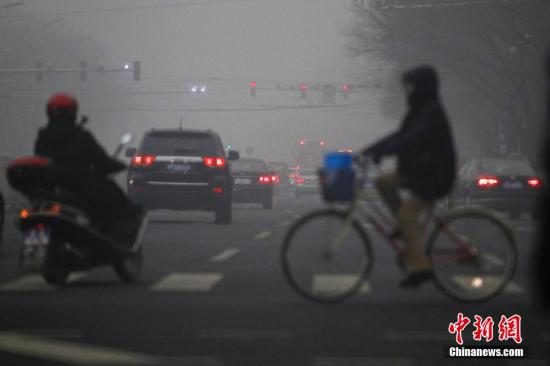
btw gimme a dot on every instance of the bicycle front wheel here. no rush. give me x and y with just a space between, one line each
473 254
325 258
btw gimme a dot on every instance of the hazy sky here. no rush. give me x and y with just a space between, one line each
234 42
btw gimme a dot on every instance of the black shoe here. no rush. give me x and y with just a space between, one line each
415 278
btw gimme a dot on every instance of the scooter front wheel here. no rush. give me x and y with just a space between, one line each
128 266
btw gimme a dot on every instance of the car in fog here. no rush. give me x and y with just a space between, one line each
182 170
306 182
253 182
282 171
505 184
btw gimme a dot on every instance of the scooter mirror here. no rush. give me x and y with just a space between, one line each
126 139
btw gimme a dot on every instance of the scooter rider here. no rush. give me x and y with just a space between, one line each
83 167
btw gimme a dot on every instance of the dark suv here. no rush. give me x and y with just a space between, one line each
182 170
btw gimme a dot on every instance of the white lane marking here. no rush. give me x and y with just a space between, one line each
525 228
493 259
336 282
68 352
225 255
245 334
417 335
480 282
262 235
192 282
361 361
513 288
36 283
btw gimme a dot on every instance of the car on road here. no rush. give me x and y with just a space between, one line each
506 184
182 170
253 182
282 171
306 182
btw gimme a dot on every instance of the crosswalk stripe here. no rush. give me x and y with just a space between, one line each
36 282
191 282
336 282
263 235
470 282
225 255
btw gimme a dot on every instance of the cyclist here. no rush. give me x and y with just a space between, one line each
426 166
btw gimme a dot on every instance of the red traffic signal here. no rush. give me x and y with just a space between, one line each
345 90
252 85
303 89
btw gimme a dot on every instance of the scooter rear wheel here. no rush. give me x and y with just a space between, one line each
54 269
128 267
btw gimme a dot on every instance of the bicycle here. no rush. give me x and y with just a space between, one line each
472 249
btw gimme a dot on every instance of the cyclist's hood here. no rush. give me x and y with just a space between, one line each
425 85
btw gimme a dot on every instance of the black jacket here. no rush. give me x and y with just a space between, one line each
424 144
74 151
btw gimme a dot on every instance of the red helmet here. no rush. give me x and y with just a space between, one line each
62 106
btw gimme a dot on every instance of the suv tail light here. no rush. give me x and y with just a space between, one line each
213 162
487 181
143 160
265 179
275 179
300 180
534 182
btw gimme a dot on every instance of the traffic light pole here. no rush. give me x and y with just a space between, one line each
83 70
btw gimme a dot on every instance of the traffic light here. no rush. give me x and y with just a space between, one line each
253 85
303 90
137 70
39 72
345 90
83 67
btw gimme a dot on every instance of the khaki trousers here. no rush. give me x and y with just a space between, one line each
407 212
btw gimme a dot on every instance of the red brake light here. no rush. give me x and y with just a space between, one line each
24 214
534 182
303 87
212 162
264 179
487 181
143 160
300 180
275 179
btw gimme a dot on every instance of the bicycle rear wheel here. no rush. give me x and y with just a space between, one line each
473 253
318 268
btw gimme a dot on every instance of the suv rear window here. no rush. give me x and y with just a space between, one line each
505 167
180 144
248 166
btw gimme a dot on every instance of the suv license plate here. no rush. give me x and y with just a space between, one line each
178 167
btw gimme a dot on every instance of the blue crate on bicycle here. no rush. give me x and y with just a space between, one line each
338 177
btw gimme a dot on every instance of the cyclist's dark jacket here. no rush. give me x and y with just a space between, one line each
424 143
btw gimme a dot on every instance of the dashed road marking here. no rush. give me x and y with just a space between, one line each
36 283
71 353
225 255
493 259
189 282
262 235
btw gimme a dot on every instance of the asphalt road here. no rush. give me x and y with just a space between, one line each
215 295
